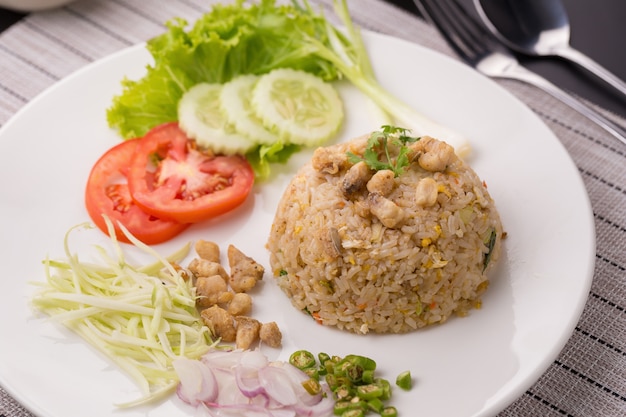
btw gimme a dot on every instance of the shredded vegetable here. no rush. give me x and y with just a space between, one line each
142 318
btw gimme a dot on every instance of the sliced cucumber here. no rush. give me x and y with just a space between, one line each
299 107
235 101
201 117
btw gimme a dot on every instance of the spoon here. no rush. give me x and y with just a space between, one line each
540 28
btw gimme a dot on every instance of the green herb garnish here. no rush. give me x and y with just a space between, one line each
378 154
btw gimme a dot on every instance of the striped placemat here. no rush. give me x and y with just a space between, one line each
589 376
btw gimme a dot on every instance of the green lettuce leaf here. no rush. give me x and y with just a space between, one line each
231 39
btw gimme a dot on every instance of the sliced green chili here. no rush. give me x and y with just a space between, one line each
302 359
369 391
389 412
352 381
368 376
376 405
312 386
386 386
323 357
341 407
312 372
404 381
353 413
344 392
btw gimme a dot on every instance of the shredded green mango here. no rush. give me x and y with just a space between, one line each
142 318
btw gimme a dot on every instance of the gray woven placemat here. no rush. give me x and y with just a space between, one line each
589 376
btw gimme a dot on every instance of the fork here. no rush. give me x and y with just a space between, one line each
482 51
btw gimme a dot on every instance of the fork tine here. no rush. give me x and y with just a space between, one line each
481 50
459 29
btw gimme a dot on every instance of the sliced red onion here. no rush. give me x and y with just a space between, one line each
246 383
229 392
222 358
241 410
254 359
197 382
324 407
297 377
278 386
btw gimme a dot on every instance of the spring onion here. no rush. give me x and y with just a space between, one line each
347 52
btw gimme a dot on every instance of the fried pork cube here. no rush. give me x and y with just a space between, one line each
388 212
382 182
327 161
247 332
270 334
240 304
208 250
220 322
204 268
211 290
431 154
244 271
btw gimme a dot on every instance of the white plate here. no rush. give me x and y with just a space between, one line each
474 366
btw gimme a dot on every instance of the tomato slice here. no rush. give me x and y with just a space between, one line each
170 178
107 193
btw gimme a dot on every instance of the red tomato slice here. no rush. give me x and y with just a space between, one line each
107 194
170 178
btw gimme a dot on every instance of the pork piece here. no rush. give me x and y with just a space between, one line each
382 182
244 271
431 154
247 332
221 323
270 334
240 305
208 250
212 290
426 192
388 212
329 161
205 268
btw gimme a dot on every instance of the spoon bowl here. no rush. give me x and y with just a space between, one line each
540 28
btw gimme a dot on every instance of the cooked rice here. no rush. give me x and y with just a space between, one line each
338 262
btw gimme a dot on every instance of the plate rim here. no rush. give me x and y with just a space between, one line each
581 301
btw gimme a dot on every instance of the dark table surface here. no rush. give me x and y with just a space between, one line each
597 29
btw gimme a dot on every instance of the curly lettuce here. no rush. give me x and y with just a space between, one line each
232 39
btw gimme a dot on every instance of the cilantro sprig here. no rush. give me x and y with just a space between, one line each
377 154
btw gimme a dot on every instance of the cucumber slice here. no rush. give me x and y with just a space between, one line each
298 106
201 117
235 101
